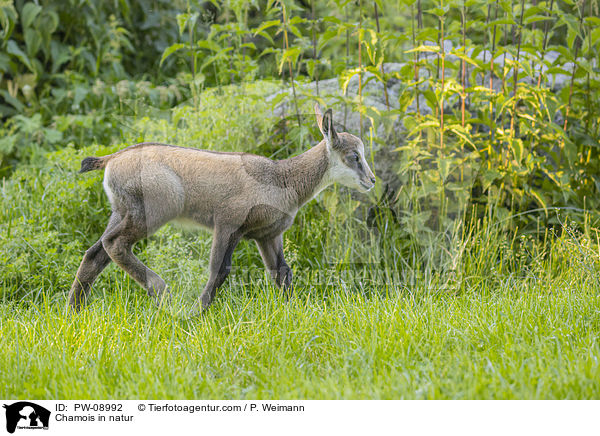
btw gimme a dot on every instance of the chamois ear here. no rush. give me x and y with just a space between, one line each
319 116
328 130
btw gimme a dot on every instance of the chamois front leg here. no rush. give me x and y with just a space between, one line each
271 251
224 242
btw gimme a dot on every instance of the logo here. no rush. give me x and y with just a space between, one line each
26 415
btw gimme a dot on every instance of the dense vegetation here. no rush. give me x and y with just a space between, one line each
470 272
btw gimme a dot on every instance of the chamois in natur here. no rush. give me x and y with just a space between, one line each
236 195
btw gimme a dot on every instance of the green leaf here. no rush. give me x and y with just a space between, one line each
557 70
425 48
595 35
567 54
462 133
500 21
7 144
182 20
295 30
310 67
571 35
346 76
439 12
170 50
208 45
12 100
13 49
278 98
536 18
80 93
59 54
52 135
267 51
248 45
7 22
540 198
424 125
427 34
33 40
488 177
266 25
594 21
28 14
531 11
297 20
266 36
186 20
431 99
518 149
328 35
4 62
290 54
459 54
443 165
48 23
332 19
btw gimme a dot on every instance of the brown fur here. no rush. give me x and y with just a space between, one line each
236 195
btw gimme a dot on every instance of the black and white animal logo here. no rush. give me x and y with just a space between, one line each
26 415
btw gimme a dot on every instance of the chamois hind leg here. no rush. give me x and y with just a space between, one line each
224 242
94 261
119 242
271 251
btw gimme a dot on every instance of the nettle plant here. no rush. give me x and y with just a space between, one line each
499 109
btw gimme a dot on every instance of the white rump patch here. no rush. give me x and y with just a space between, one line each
109 193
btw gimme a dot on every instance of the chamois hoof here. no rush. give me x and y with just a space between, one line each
75 303
163 299
197 310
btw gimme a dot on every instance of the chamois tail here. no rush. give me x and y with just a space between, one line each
92 163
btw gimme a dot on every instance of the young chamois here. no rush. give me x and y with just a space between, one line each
236 195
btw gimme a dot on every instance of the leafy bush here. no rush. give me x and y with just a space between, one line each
66 69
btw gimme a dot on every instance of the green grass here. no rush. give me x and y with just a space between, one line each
522 339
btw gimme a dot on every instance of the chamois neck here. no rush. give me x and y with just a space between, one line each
306 174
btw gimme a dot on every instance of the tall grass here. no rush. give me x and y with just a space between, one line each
531 334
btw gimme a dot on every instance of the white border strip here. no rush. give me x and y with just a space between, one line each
150 417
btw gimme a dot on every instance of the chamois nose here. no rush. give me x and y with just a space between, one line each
373 180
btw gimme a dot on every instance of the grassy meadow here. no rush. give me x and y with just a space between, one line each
487 315
523 339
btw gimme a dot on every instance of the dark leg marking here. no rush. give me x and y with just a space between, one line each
93 263
223 245
271 251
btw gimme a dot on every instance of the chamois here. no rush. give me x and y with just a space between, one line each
236 195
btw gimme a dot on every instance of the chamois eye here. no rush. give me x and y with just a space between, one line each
356 157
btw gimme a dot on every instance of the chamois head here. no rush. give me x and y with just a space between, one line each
347 155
